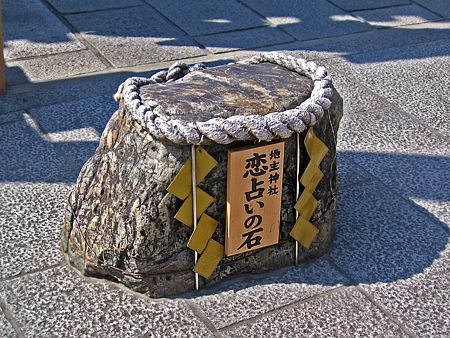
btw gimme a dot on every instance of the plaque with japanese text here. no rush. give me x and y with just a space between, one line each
254 190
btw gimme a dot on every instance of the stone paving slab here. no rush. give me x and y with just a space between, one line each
30 158
305 22
340 313
128 39
58 301
376 142
6 329
440 7
60 91
52 67
74 127
420 302
357 97
245 299
251 38
30 29
77 145
397 16
208 16
370 41
389 131
11 117
350 173
382 237
440 209
355 5
59 120
413 78
423 179
70 6
30 219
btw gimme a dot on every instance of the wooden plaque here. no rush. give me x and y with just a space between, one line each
254 190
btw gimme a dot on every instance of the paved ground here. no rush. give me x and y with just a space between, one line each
388 273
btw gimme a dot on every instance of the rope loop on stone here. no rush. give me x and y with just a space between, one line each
271 126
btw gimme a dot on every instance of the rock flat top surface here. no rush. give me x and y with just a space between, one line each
230 90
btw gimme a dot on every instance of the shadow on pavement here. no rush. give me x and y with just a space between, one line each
226 29
383 237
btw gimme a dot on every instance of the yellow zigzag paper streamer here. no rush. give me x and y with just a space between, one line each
211 251
304 231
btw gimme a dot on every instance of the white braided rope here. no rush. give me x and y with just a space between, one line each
271 126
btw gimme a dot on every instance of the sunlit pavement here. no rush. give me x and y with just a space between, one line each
388 272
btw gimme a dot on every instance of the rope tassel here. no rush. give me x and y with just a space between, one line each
304 231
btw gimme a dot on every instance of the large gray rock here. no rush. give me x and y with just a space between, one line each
119 221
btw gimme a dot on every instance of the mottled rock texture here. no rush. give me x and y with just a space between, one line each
119 221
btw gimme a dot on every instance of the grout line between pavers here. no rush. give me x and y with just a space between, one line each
44 56
110 283
30 272
269 23
383 7
428 9
255 48
198 312
11 318
369 28
369 9
385 311
363 86
214 57
77 34
370 298
231 30
201 46
97 10
351 12
282 308
357 183
431 129
375 27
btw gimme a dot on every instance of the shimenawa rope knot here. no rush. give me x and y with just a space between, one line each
274 125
